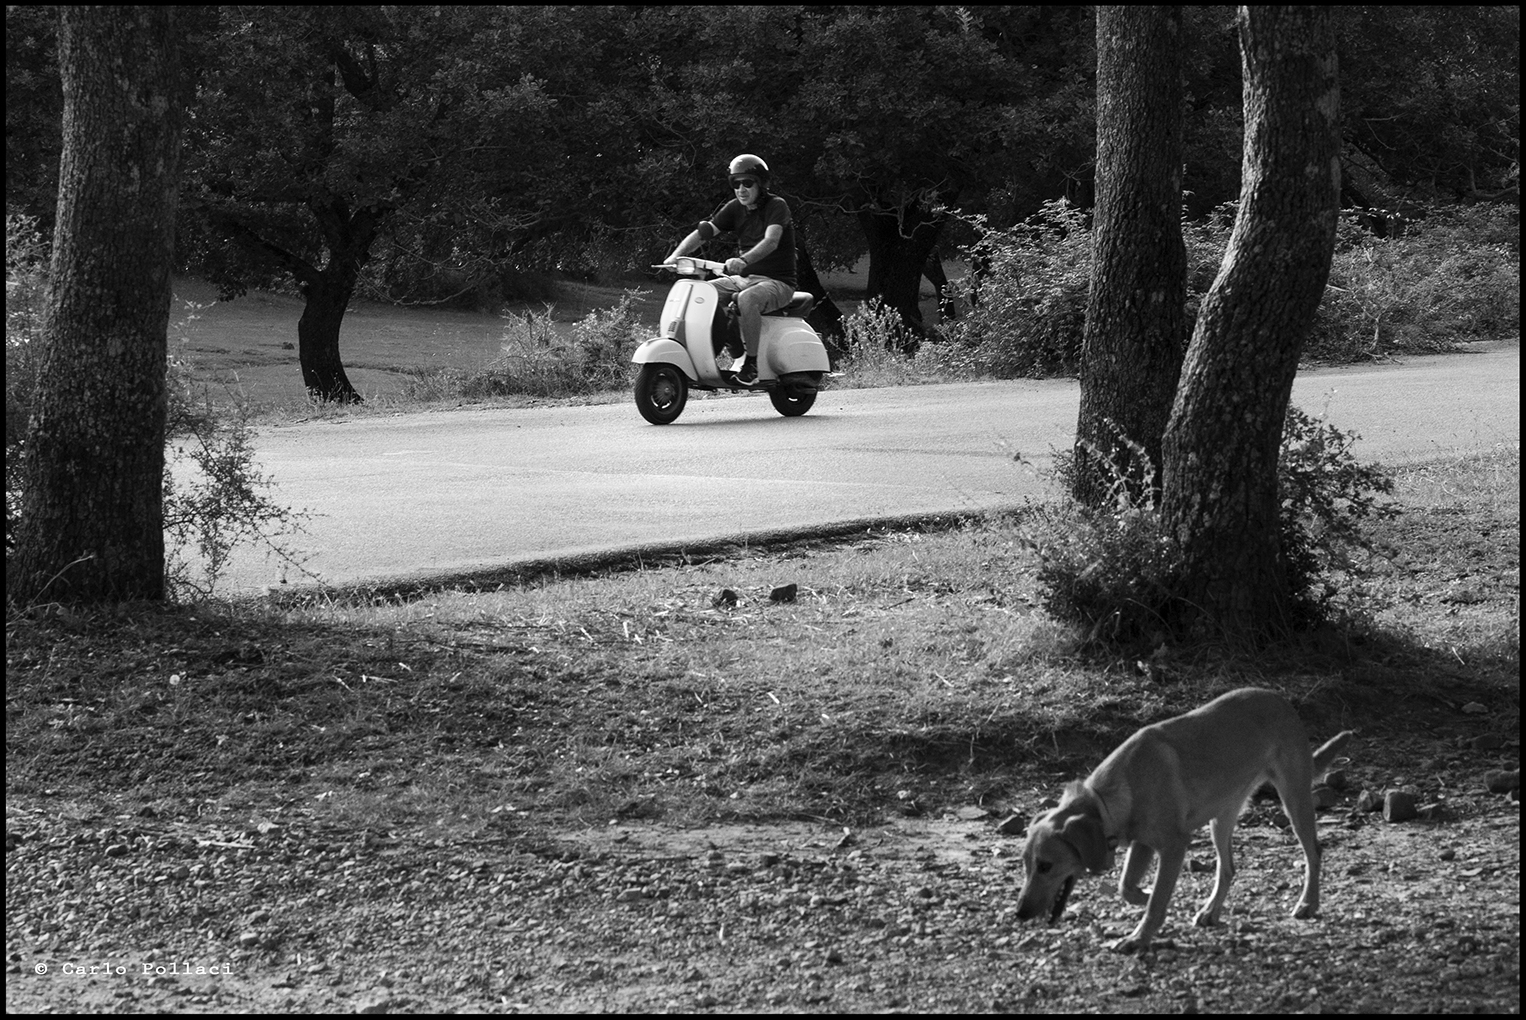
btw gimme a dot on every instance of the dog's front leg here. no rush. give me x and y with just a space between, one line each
1166 873
1134 868
1221 829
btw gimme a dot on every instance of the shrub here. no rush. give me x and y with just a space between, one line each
1114 571
1453 276
1028 302
219 502
1111 570
539 359
874 339
1325 496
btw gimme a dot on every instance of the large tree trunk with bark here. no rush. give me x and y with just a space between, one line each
92 525
899 242
1220 501
1135 317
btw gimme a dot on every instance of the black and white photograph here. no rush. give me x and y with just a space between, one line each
762 509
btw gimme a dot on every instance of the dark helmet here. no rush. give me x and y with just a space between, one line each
747 163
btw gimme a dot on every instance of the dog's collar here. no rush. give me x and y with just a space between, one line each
1110 828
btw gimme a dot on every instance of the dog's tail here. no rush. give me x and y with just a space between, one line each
1326 755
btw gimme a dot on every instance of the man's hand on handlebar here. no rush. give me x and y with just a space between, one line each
736 267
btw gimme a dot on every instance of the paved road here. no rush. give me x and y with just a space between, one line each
426 495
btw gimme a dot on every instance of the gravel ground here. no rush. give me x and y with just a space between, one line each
274 910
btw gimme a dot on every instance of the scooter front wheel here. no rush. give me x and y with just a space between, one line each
661 391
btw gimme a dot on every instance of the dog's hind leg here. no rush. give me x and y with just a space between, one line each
1299 806
1221 828
1135 865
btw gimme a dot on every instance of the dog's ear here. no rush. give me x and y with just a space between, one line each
1083 831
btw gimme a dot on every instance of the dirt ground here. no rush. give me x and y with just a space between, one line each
271 910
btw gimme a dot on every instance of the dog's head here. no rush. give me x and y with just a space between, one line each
1062 845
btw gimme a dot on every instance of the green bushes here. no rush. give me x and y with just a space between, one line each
1113 571
1452 276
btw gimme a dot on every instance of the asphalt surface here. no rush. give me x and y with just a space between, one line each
425 497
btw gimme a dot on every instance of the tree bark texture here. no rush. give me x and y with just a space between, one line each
1135 317
899 242
1220 501
92 510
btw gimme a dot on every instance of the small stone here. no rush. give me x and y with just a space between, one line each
1013 825
1398 806
379 1002
1497 781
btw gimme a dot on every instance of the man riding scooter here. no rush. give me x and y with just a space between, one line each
762 276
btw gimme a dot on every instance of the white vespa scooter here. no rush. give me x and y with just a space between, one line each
792 360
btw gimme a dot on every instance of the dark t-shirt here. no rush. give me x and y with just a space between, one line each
749 224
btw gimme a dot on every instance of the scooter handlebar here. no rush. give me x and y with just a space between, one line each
688 265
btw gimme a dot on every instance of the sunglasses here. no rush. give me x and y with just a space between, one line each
744 182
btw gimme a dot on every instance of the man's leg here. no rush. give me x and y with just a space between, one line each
758 296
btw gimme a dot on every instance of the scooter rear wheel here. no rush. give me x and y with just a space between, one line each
791 405
661 391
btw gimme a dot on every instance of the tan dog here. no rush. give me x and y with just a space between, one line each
1159 787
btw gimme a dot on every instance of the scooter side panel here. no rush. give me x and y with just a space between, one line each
792 346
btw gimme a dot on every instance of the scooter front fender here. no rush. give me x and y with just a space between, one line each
660 349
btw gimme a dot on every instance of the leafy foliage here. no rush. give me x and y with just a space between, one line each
26 284
1430 97
1452 276
1326 495
1028 300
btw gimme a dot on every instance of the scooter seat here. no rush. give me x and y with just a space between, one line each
799 306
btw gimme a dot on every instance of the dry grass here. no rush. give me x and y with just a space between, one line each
913 672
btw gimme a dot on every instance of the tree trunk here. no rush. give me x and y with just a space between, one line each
899 243
948 308
1135 318
328 292
1220 501
92 525
318 339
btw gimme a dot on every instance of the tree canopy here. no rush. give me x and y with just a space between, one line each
427 152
